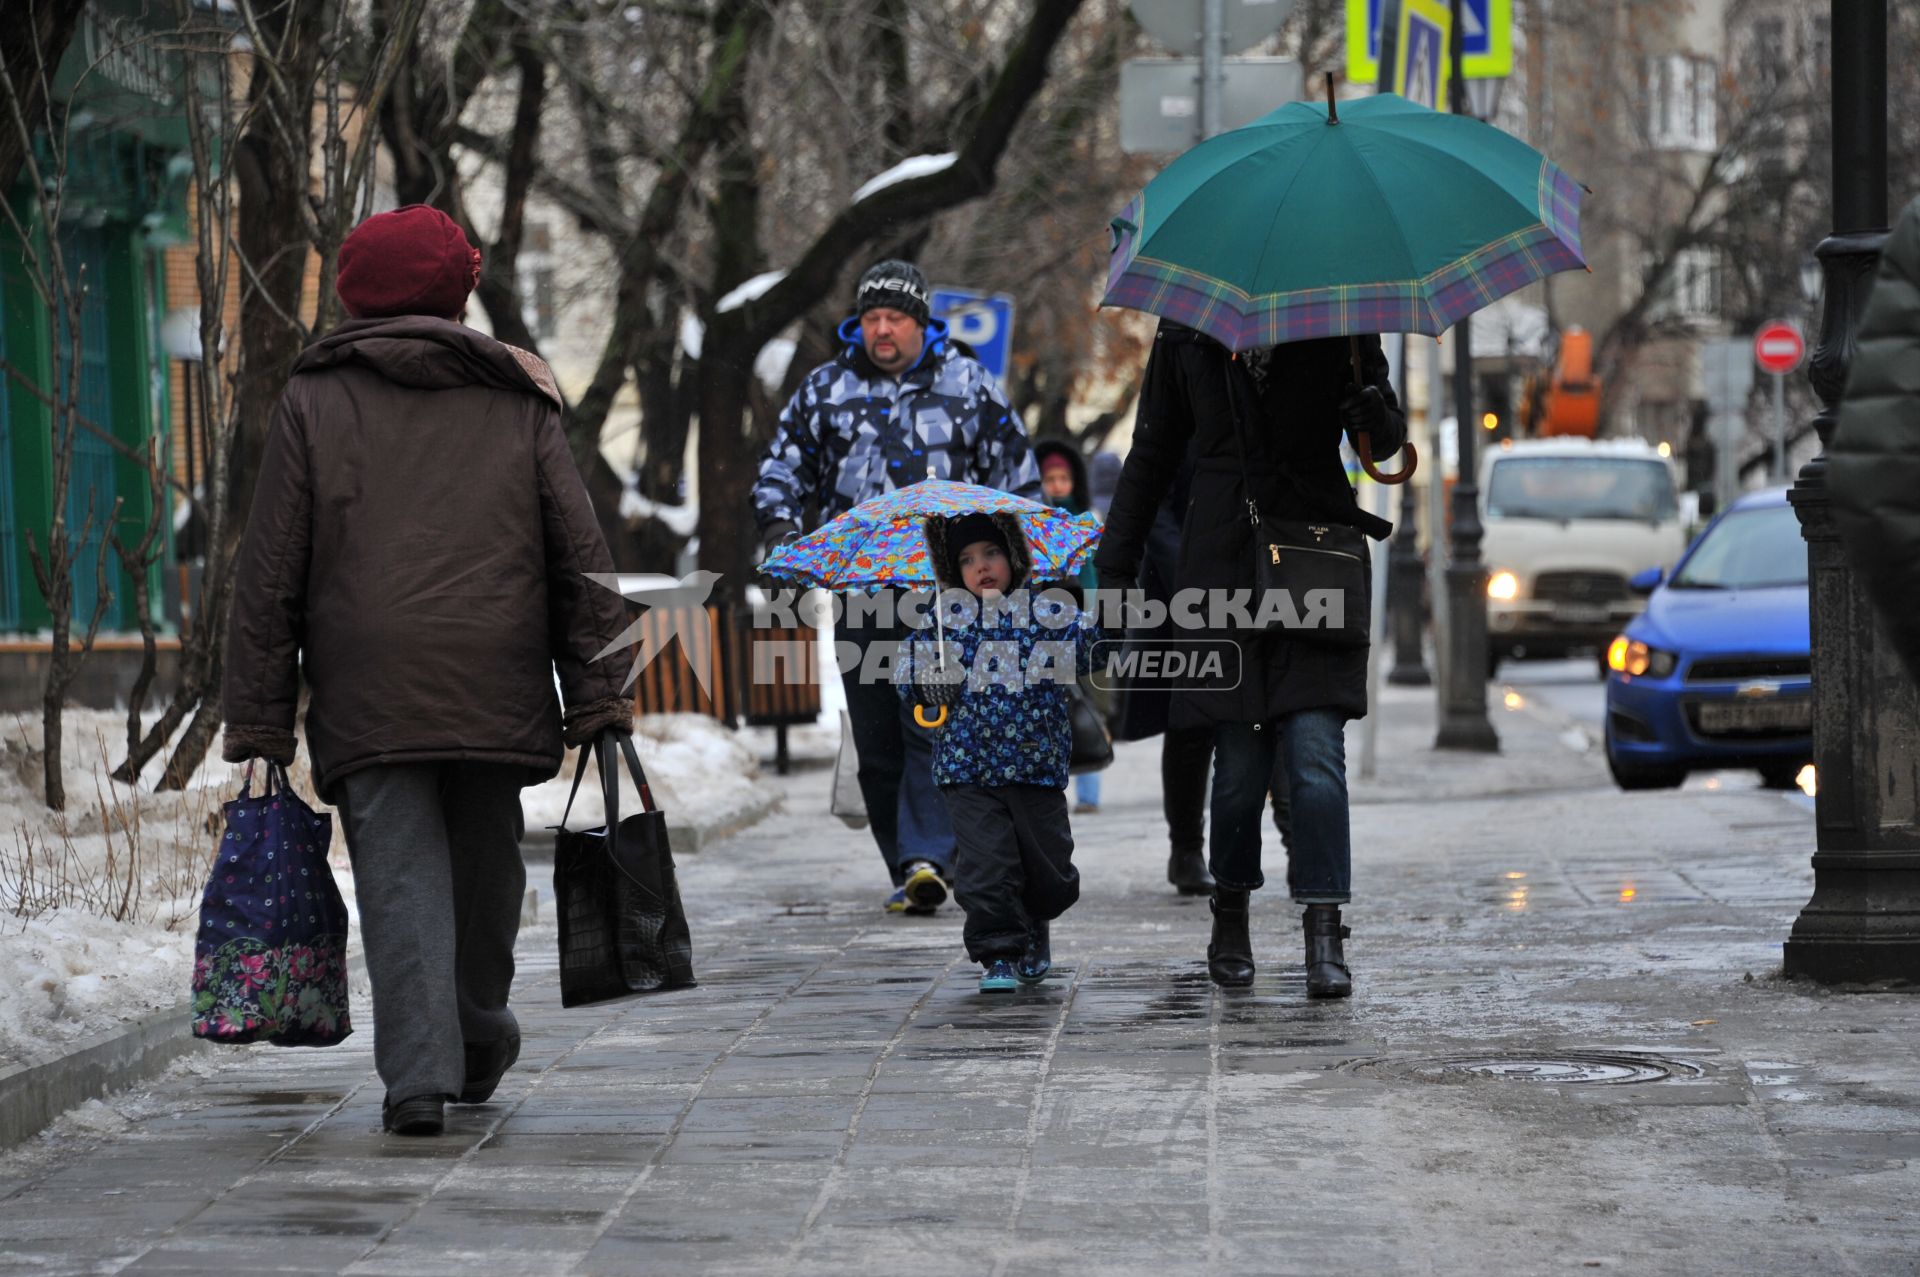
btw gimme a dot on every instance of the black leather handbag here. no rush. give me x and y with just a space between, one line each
1092 743
1325 569
623 929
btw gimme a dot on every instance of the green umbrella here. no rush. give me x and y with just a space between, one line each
1384 217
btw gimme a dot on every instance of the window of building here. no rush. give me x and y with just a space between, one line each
1692 286
1683 103
1769 54
537 300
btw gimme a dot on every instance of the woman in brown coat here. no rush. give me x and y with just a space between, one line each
419 548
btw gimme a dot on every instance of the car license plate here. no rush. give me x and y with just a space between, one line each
1580 613
1760 716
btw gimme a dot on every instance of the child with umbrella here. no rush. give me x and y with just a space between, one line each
1001 660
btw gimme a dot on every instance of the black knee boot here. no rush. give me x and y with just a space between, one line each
1230 952
1327 974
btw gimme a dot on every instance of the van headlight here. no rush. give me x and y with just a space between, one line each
1632 657
1503 585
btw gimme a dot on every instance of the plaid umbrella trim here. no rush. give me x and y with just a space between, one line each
1428 305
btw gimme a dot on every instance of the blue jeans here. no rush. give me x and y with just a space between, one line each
1086 788
908 820
1311 745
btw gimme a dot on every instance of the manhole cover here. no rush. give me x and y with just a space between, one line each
1561 1068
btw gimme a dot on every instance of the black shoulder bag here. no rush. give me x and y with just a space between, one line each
1323 568
623 929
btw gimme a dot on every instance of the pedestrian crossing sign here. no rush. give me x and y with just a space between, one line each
1487 39
1422 64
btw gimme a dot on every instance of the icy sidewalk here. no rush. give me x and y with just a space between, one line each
1555 1061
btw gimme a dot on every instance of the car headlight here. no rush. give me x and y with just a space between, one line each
1631 656
1503 585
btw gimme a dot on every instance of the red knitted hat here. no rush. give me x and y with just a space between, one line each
412 261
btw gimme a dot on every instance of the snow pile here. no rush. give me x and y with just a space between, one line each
98 905
700 773
906 170
753 288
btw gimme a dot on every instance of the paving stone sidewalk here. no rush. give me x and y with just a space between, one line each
1569 1051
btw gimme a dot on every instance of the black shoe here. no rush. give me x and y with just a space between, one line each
421 1115
1327 974
487 1063
1187 871
1230 952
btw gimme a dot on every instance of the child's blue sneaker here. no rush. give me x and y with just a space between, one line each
998 977
925 888
1038 959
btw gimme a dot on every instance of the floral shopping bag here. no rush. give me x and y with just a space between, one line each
270 963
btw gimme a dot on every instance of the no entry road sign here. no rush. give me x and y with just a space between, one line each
1778 347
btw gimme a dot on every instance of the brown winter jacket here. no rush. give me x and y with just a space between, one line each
419 541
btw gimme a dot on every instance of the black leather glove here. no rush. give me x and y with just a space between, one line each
1113 584
778 533
1363 409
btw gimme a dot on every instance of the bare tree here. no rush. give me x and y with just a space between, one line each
33 43
62 289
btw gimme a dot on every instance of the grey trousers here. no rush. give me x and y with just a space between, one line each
439 881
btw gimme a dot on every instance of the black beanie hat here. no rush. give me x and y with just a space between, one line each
964 531
897 285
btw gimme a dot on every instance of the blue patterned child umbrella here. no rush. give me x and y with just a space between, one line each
883 542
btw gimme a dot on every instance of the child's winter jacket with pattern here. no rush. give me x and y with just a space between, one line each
1010 724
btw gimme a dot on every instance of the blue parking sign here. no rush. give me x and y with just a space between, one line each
983 320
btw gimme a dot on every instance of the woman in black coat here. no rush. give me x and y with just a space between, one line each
1288 697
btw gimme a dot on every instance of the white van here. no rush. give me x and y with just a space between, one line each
1569 522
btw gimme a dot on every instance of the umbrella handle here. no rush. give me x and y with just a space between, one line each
1363 445
920 716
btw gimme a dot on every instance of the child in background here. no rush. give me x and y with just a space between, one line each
1000 759
1063 480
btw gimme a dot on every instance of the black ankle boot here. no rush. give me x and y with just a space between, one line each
1327 974
1230 952
1187 871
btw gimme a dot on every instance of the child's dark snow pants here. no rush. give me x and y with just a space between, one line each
1014 863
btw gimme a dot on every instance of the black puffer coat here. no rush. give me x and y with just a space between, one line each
1874 464
1293 457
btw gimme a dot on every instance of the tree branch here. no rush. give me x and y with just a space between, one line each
970 176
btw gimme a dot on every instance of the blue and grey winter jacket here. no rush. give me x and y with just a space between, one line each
1010 725
851 432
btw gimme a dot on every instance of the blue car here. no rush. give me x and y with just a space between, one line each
1718 671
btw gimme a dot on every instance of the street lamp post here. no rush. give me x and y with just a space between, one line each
1463 698
1863 922
1406 586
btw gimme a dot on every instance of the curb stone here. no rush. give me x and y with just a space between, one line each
33 1095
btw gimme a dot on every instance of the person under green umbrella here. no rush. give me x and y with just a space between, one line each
1289 700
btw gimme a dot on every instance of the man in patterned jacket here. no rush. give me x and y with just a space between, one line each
896 405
